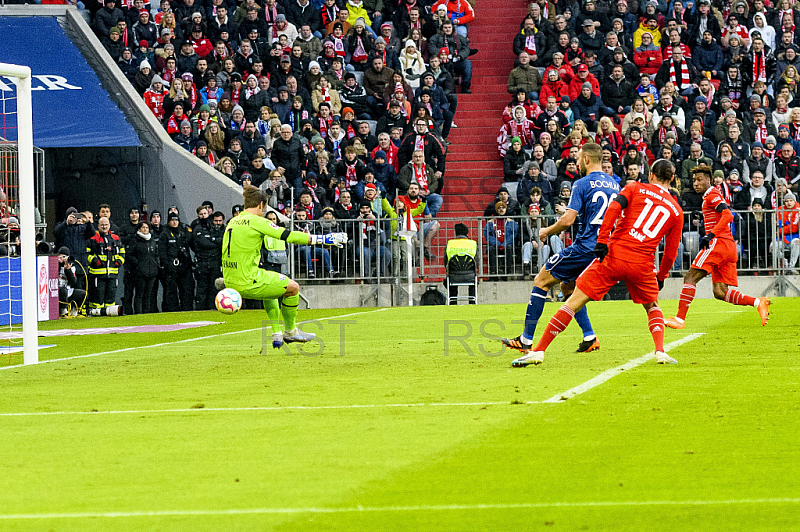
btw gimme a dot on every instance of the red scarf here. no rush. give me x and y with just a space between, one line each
173 126
761 134
685 79
235 94
271 15
360 53
759 68
419 144
168 75
788 13
530 44
500 230
338 46
324 124
421 174
352 177
662 134
326 96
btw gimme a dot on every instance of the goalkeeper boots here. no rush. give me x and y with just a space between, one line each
517 343
663 358
533 357
763 310
277 340
587 346
298 336
674 323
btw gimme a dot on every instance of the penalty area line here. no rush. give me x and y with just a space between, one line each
610 373
378 509
187 340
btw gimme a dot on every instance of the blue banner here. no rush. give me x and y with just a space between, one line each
70 107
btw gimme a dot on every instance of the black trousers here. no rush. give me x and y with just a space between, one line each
179 291
145 294
127 299
78 296
102 291
206 273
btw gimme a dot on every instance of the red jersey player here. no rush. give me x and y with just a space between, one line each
717 254
643 213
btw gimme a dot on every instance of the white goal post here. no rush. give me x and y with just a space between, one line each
21 76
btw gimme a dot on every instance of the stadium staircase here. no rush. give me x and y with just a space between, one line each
474 168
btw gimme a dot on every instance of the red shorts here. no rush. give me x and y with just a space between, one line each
719 259
598 278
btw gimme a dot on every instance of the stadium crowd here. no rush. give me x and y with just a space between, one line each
687 81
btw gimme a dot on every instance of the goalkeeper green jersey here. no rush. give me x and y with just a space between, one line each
241 245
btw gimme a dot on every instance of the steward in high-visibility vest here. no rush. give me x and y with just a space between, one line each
459 260
105 255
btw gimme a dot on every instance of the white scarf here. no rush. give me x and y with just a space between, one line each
144 236
685 80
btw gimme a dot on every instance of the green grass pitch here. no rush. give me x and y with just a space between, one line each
385 430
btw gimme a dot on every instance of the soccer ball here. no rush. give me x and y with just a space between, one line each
228 301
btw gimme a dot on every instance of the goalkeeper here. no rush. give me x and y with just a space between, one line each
241 252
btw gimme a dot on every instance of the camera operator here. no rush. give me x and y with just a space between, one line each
173 247
9 238
68 293
73 233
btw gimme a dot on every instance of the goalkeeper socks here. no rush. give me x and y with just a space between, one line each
558 323
737 298
289 310
655 322
534 312
687 295
273 309
582 318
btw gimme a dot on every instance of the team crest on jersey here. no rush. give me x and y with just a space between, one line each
275 226
282 277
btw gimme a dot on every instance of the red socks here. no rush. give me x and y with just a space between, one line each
737 298
655 322
558 323
687 295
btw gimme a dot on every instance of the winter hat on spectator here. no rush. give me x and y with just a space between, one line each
156 79
757 144
286 59
409 43
371 185
311 175
442 7
212 104
575 40
444 50
144 64
731 112
64 250
144 42
781 181
725 98
165 31
346 110
236 77
380 154
71 210
734 171
586 85
394 103
349 75
583 68
782 126
399 88
634 128
297 98
461 230
387 25
204 107
545 134
237 108
236 209
360 21
201 144
516 139
565 99
380 40
313 64
327 44
187 75
317 138
759 201
771 139
282 88
114 30
670 134
186 123
701 98
565 185
789 195
280 18
173 216
718 173
502 189
533 164
551 72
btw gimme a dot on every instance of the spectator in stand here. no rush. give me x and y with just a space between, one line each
553 87
532 178
618 92
418 172
288 156
458 51
788 221
787 165
755 190
758 162
695 158
520 128
591 40
512 206
526 77
106 18
514 161
501 235
757 232
587 106
530 40
680 71
708 56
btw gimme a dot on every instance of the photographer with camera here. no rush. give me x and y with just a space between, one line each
68 292
73 233
176 260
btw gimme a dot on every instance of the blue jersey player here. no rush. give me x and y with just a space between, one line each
590 197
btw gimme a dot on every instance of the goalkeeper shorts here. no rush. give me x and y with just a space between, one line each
266 285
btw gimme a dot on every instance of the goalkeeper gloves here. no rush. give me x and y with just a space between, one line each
331 239
600 251
706 240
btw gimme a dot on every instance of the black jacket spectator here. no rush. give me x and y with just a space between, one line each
512 162
289 155
434 155
302 15
663 72
618 94
107 18
74 235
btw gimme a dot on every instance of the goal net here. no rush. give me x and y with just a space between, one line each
20 288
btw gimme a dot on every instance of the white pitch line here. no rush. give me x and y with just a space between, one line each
606 375
558 398
123 350
378 509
